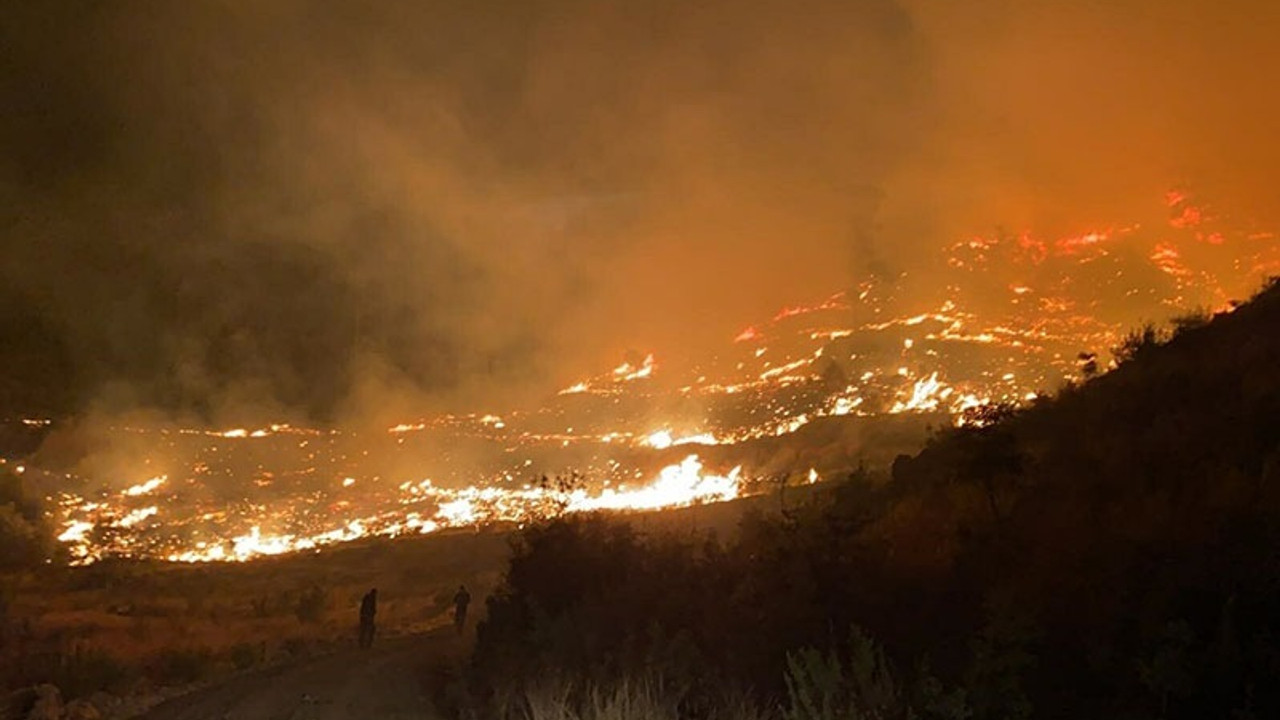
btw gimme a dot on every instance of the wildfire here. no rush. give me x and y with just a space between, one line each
676 486
146 487
625 373
1007 319
663 439
835 302
95 530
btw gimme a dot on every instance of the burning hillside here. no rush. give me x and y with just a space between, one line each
1013 316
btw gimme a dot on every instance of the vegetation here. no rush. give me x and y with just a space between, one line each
1112 552
25 537
127 628
1138 342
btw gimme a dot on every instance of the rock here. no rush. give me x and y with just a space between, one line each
81 710
48 704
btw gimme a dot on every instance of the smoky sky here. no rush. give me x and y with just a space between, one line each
305 208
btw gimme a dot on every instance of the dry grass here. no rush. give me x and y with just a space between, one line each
124 625
119 626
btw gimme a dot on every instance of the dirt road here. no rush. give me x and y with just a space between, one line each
384 683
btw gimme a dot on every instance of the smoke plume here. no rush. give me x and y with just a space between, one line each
290 209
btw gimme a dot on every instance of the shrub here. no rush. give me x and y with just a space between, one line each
822 686
244 655
179 666
1196 318
295 646
312 605
78 673
1138 342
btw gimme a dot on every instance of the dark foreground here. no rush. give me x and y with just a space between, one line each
385 683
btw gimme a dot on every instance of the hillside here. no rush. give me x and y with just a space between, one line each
1113 551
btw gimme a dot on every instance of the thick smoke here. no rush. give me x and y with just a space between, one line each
1063 115
291 209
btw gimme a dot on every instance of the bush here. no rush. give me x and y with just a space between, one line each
312 605
1190 321
822 686
79 673
625 700
296 647
1138 343
244 655
180 666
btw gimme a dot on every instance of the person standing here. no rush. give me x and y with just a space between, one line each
368 610
460 602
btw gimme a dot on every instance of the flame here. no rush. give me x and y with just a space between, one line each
624 373
627 372
76 532
663 439
676 486
926 394
660 440
835 302
146 487
1006 320
576 388
95 530
137 516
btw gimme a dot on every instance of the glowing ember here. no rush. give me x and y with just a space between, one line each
1004 320
95 530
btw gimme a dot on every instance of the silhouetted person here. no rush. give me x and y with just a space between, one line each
460 602
368 610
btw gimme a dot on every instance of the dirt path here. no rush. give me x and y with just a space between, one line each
384 683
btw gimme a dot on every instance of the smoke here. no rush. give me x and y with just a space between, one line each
239 209
1059 114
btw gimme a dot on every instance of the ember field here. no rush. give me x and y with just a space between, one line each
811 393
